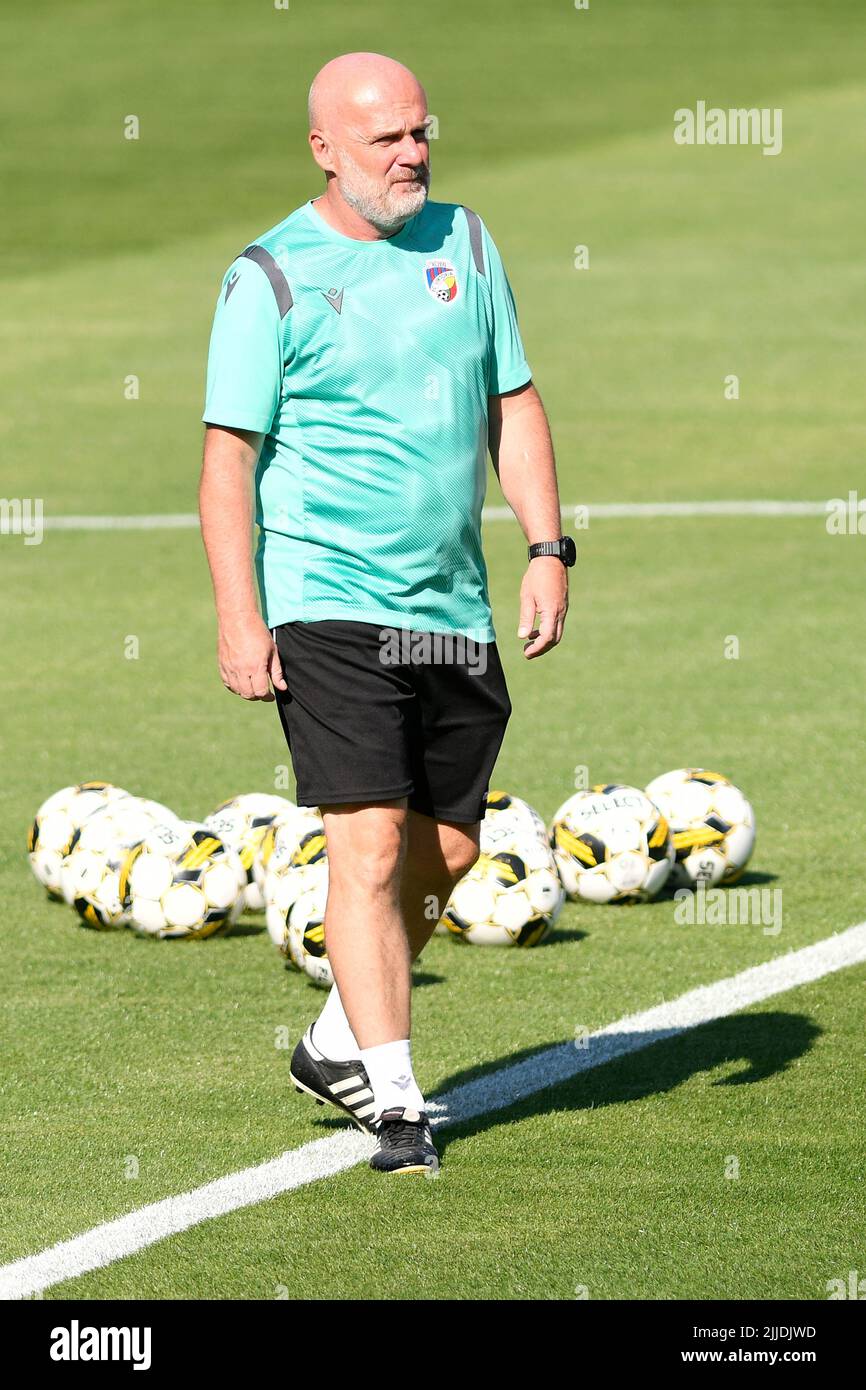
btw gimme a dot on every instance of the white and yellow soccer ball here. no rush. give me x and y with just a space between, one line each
90 875
55 824
712 823
509 818
510 897
507 823
287 828
305 929
611 844
291 846
295 856
242 824
182 880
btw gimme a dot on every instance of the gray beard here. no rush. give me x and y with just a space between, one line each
385 211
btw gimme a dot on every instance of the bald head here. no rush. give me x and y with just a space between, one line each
368 132
355 83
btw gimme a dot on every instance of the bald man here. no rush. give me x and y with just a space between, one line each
365 355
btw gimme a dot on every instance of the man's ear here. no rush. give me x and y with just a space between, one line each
321 151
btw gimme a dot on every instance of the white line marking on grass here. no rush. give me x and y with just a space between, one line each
634 510
645 510
165 522
116 1239
496 1091
748 508
557 1064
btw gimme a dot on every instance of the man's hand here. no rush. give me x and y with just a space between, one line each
522 453
248 658
544 591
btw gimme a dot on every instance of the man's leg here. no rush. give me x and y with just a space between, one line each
365 936
390 875
437 854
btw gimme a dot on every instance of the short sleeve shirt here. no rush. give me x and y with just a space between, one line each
367 366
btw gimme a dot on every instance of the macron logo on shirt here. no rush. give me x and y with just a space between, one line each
335 299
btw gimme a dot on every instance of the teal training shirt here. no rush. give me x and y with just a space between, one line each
367 365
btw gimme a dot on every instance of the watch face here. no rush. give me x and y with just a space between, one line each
567 550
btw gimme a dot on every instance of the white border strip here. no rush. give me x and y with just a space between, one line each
179 521
115 1240
631 510
644 510
752 508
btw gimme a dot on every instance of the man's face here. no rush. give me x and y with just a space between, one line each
382 162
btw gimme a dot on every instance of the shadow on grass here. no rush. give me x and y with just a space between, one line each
561 934
420 978
763 1045
751 878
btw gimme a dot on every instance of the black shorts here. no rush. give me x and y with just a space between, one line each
374 714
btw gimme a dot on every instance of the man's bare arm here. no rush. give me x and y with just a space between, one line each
249 663
522 453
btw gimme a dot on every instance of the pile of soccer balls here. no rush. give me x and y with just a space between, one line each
122 860
616 843
610 843
293 867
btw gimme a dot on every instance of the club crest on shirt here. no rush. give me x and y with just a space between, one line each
441 281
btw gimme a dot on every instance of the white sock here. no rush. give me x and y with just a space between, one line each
389 1067
331 1032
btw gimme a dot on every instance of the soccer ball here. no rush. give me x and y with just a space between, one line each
510 897
508 818
713 825
181 880
508 822
242 824
291 845
305 929
611 844
90 874
55 824
295 858
284 834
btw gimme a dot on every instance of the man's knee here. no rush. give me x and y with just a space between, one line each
460 855
443 851
366 848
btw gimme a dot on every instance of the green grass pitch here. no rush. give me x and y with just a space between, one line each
703 263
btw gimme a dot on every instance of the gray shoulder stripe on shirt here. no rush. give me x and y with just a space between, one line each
279 283
475 240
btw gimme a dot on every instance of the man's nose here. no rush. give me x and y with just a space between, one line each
412 151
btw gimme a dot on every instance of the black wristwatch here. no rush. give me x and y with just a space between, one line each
564 549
